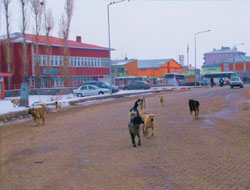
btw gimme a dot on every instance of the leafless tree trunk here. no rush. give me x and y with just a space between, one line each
49 25
6 8
24 100
23 29
64 32
37 10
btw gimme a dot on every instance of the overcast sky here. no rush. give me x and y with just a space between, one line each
153 29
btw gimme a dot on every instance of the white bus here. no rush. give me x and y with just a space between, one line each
173 79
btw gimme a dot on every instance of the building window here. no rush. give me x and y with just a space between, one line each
175 70
180 71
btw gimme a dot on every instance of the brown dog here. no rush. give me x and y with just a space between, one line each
15 102
162 100
38 113
149 120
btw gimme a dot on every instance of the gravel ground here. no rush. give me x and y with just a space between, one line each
89 147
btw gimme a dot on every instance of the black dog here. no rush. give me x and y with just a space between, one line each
194 106
138 118
134 127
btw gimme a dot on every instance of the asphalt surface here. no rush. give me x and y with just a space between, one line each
90 148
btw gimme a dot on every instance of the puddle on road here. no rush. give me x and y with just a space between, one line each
32 151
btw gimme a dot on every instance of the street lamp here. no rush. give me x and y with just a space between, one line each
195 53
110 74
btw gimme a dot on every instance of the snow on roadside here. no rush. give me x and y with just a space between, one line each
35 100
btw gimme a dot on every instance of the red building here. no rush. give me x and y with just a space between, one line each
86 61
240 65
2 87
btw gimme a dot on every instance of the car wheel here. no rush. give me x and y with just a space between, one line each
241 86
100 93
79 95
232 87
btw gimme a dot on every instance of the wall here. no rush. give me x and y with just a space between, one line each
170 67
211 70
220 57
131 68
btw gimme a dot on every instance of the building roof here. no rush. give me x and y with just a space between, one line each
31 38
154 63
224 50
239 59
121 62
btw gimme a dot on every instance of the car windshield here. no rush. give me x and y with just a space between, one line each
235 79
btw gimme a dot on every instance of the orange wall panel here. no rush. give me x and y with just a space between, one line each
131 68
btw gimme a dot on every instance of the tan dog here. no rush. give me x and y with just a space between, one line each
142 104
162 100
15 102
149 120
38 113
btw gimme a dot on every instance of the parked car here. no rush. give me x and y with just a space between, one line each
236 81
137 85
90 90
203 82
102 84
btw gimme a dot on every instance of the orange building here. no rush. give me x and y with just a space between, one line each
122 68
158 67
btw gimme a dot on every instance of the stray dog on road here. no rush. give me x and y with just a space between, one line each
162 101
58 106
135 108
15 102
194 106
134 127
149 120
38 113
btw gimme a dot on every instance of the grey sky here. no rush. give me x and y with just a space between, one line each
152 29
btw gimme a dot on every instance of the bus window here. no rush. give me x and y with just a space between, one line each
169 76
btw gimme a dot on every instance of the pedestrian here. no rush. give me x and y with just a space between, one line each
221 82
212 82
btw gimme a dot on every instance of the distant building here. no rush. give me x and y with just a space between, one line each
158 67
239 65
181 60
217 56
191 70
86 61
125 67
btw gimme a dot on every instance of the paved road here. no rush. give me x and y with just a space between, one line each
90 148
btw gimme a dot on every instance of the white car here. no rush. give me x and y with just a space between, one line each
236 81
90 90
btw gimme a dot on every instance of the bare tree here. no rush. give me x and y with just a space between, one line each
49 25
37 10
64 32
23 29
7 16
24 100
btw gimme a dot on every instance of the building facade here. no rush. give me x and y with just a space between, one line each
239 65
217 56
123 68
158 67
85 61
